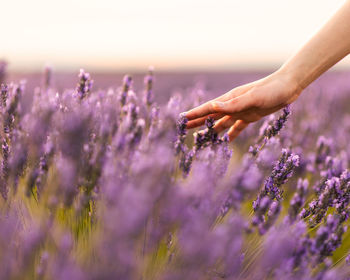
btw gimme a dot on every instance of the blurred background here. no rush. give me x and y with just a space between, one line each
183 36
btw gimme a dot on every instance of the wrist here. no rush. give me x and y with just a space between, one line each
291 82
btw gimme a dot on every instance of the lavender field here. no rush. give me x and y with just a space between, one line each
100 179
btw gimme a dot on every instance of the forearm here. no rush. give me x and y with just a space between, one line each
322 51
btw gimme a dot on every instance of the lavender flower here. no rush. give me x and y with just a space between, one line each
181 134
148 81
132 116
138 132
206 137
334 193
224 154
106 199
298 199
186 161
84 85
323 148
4 168
270 130
282 171
3 68
11 110
328 238
4 95
278 124
347 259
48 77
127 82
154 123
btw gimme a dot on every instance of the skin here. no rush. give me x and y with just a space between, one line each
248 103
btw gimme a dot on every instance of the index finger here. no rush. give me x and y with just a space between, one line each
207 107
200 111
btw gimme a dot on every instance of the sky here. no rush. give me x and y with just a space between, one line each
170 35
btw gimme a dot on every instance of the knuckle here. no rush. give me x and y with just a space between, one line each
232 104
211 107
234 92
255 99
251 95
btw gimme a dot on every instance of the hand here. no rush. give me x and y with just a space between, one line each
248 103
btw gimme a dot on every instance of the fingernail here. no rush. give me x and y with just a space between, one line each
225 138
219 104
183 114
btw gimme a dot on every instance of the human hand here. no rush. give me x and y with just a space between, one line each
248 103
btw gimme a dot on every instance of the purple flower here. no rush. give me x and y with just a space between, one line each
12 108
186 161
334 193
323 148
3 68
127 82
298 199
347 260
106 199
206 137
148 81
270 130
48 77
272 189
181 134
154 123
84 85
4 95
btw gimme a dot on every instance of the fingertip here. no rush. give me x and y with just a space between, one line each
225 138
189 115
236 129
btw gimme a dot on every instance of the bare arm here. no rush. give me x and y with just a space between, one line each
248 103
324 49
